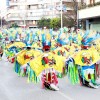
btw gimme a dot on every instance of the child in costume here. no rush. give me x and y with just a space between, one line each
49 77
87 67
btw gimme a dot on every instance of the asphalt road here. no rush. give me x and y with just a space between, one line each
13 87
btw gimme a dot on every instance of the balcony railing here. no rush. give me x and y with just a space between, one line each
31 17
88 6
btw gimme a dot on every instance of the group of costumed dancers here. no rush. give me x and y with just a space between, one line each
47 55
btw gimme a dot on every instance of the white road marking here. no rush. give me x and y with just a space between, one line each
65 96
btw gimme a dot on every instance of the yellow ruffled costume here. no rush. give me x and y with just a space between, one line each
37 67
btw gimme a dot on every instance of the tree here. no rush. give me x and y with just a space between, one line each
14 25
68 22
44 23
70 17
41 23
55 23
49 23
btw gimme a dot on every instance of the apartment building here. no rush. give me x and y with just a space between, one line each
90 15
26 13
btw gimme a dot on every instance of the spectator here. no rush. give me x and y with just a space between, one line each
1 52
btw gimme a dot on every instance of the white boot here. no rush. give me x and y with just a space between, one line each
54 87
93 86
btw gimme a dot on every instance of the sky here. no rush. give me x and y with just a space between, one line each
2 4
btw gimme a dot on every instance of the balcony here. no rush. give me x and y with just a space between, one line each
89 12
33 18
17 18
13 19
30 2
11 3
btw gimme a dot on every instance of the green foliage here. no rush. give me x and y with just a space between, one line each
44 23
14 25
55 23
49 23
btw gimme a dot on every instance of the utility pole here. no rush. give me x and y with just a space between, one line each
1 21
1 18
52 7
61 17
25 18
24 21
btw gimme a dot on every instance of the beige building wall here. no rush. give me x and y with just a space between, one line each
92 1
33 10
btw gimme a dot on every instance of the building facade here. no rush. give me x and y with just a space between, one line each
26 13
90 15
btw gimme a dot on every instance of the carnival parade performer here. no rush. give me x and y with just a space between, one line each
45 58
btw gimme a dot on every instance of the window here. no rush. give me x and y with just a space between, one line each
15 8
39 6
33 7
22 0
15 0
29 6
22 7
